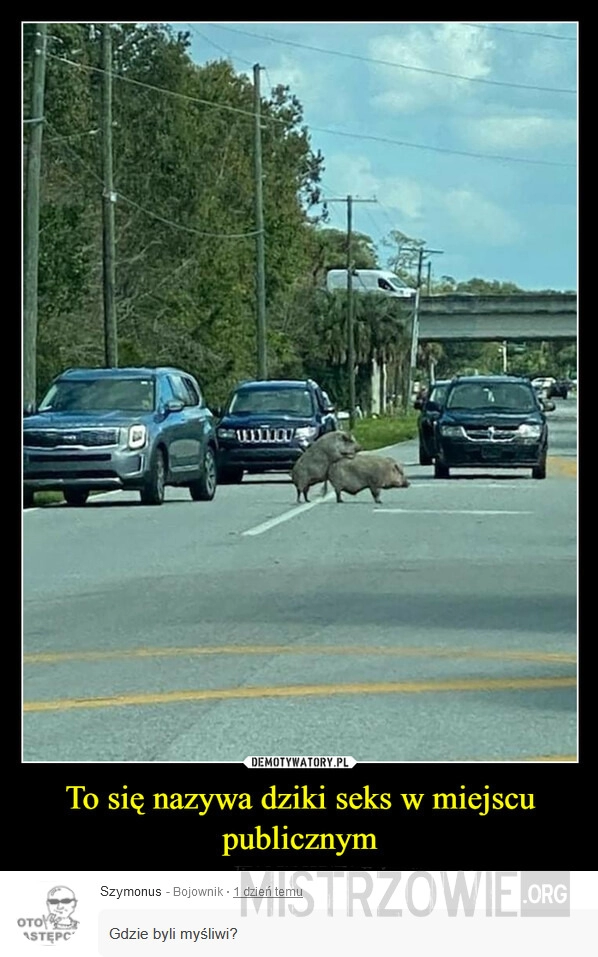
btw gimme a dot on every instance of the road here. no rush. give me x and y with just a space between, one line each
439 626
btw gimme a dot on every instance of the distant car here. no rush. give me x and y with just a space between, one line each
131 428
560 389
266 425
428 418
493 421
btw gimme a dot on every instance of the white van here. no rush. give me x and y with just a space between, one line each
369 280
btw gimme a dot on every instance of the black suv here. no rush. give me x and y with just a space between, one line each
489 421
120 429
266 425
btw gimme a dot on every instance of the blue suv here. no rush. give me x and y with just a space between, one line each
266 425
138 428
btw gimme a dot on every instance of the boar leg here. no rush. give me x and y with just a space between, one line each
376 495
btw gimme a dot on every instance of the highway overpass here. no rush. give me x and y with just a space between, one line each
517 318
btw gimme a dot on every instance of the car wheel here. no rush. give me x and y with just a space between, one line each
204 489
424 458
75 496
539 472
441 471
230 476
27 498
152 492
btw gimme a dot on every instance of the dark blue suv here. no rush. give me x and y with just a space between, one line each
105 429
266 425
492 421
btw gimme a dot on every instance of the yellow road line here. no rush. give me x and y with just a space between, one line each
549 757
198 651
561 465
302 691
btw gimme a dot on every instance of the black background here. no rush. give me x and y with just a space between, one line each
543 838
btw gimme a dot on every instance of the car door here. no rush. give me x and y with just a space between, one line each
184 430
201 421
429 420
328 419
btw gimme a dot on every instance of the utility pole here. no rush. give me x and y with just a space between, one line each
108 201
349 200
415 323
262 356
31 217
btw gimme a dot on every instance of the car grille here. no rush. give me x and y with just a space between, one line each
69 457
69 438
491 434
265 435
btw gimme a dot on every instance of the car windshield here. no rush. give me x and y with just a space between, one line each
504 396
100 395
284 401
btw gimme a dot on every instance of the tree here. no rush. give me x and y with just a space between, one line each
405 256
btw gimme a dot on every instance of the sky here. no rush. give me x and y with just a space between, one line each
418 99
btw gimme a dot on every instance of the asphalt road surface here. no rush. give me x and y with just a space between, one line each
438 626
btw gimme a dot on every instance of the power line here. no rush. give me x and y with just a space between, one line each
149 212
156 89
401 66
218 47
441 149
187 229
320 129
70 136
528 33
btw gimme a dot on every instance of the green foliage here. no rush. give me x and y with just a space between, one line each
183 173
377 433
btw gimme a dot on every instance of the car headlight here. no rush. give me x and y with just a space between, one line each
527 431
225 433
306 432
451 431
137 436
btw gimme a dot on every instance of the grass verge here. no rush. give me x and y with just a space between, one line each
385 430
47 498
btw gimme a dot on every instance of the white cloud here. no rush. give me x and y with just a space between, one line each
446 47
519 132
480 219
423 210
288 72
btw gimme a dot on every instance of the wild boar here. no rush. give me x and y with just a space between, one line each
366 471
312 467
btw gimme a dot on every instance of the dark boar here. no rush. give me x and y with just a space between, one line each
312 467
366 471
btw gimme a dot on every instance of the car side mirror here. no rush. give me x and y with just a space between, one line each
329 409
217 411
548 405
418 404
432 406
174 405
28 408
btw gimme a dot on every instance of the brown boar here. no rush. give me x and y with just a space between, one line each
366 471
312 467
